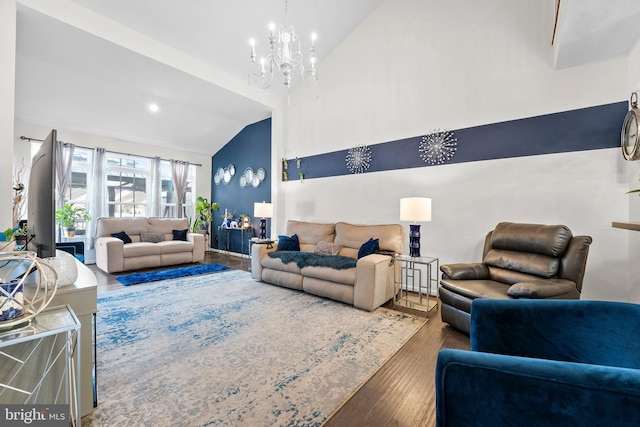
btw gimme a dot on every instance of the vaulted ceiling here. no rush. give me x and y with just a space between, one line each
94 66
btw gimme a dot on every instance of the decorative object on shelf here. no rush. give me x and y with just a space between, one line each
285 164
301 173
438 147
246 221
285 176
283 56
630 135
18 196
358 159
68 215
263 211
415 209
298 162
224 175
28 286
18 234
65 268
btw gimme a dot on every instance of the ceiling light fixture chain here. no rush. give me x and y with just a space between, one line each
283 57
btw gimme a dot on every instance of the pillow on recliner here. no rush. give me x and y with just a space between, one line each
369 247
122 236
286 243
327 248
180 234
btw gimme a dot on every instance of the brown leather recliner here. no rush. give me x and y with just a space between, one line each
518 261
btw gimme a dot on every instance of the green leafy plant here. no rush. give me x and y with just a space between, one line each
68 215
18 233
204 213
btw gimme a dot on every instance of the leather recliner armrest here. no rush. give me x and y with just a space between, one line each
542 288
465 271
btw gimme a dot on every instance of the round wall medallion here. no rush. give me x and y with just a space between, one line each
438 147
358 159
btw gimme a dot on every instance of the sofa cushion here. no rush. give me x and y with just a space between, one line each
286 243
346 276
326 248
132 226
175 246
140 249
277 264
550 240
180 234
122 236
166 225
352 236
529 263
310 233
369 247
152 237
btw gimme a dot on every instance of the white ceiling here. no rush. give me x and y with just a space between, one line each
80 65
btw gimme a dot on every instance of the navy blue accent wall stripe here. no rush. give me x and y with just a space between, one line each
576 130
251 147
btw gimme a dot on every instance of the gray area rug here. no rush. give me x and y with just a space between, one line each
222 349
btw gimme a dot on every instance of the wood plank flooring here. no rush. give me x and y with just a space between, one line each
400 394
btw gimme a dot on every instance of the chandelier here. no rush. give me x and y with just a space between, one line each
285 57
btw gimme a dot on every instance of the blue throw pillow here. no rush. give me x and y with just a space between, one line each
286 243
180 234
122 236
369 247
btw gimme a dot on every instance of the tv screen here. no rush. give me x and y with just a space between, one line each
41 196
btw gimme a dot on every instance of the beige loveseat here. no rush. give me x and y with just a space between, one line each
368 285
152 244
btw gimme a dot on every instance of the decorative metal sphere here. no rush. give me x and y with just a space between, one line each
358 159
438 147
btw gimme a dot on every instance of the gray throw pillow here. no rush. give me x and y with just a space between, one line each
152 237
327 248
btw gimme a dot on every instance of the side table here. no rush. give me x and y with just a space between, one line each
423 296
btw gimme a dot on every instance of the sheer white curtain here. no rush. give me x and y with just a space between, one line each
64 158
179 175
155 198
98 205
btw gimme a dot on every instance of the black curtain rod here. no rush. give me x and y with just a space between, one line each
26 138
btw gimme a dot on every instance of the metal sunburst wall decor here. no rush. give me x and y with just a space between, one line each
358 159
438 147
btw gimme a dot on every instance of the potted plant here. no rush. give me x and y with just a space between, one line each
18 234
204 213
68 215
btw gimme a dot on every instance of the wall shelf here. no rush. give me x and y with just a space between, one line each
626 225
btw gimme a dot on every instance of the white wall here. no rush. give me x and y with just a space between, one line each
7 102
21 150
417 65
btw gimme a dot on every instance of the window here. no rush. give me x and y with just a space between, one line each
127 179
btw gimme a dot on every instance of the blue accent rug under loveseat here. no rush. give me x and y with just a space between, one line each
156 275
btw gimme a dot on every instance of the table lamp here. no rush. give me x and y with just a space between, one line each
415 209
263 211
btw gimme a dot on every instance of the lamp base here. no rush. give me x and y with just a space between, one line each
414 240
263 228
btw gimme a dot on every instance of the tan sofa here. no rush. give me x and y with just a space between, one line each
113 255
368 285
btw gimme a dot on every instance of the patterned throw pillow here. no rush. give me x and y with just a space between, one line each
152 237
327 248
286 243
122 236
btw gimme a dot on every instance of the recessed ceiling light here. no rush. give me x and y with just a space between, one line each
153 108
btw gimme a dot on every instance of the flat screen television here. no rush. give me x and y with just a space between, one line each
41 200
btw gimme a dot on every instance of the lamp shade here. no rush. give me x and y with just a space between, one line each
415 209
262 210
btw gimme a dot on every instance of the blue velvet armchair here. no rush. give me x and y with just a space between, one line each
543 363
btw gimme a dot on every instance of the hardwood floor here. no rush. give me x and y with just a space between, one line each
400 394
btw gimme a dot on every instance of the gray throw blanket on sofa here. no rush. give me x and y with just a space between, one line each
308 259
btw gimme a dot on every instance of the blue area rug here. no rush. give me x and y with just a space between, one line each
225 350
156 275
